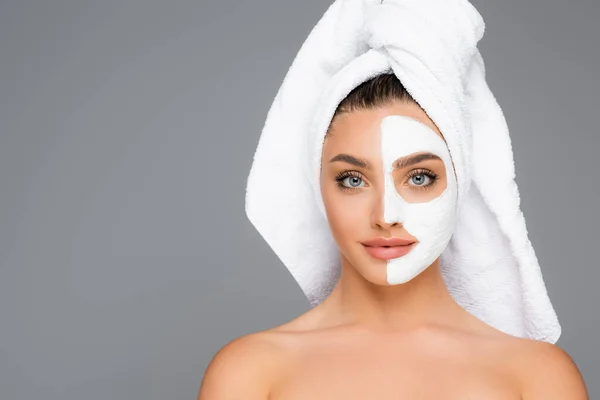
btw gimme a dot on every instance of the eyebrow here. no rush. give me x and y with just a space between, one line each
412 160
359 162
401 163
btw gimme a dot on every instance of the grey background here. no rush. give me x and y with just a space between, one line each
127 133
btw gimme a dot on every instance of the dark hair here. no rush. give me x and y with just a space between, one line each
377 91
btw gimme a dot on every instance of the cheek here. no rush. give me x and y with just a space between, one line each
347 213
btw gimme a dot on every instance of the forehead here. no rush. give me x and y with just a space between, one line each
361 128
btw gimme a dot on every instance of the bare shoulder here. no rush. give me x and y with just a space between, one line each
540 370
249 366
243 368
546 371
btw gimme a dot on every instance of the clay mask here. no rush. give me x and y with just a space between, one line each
431 222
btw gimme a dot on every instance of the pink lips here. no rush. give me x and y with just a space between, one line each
388 249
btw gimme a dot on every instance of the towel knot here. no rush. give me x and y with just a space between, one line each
441 34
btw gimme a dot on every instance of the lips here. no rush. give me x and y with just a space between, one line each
388 248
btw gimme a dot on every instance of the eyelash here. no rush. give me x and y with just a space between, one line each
415 172
345 174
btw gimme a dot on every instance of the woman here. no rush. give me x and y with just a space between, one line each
399 221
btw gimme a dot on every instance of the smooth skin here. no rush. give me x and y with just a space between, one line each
372 340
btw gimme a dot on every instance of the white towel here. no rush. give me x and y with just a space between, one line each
489 266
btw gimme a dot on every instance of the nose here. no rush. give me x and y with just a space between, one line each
378 215
384 225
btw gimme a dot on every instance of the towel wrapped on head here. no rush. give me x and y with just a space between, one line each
489 266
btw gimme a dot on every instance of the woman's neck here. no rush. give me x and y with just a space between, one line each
421 301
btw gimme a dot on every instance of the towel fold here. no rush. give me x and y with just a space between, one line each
489 266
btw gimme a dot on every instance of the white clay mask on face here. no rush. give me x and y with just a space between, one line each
431 222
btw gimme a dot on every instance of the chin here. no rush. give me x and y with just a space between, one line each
377 279
372 270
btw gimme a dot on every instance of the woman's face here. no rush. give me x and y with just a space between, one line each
386 173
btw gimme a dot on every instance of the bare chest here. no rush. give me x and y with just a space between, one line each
391 375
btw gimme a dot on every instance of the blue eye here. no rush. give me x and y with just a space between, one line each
421 179
349 180
354 181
